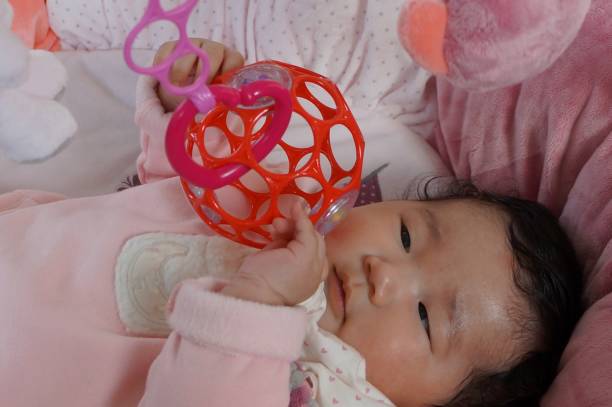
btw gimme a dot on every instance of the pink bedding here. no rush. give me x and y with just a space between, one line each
497 139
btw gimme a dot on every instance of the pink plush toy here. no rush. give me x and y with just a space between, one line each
524 100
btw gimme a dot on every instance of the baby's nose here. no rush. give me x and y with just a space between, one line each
382 279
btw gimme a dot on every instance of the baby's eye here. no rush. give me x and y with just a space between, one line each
405 236
424 317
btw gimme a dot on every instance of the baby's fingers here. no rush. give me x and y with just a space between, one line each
282 229
220 57
185 69
163 52
305 235
215 52
275 244
232 60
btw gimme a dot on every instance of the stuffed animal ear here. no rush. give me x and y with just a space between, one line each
33 126
15 60
488 44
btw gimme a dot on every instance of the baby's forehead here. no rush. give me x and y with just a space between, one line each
460 214
474 205
491 307
496 338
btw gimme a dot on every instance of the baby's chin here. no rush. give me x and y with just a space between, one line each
329 323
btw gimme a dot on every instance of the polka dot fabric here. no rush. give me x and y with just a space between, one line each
339 370
353 42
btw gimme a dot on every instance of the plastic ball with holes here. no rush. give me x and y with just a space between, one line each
318 161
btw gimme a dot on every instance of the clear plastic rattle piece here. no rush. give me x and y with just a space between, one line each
261 72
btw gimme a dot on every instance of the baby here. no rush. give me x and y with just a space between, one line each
462 299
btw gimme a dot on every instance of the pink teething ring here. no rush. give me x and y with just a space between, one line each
247 95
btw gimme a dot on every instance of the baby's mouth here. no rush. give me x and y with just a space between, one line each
339 302
342 294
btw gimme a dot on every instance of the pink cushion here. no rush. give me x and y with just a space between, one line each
550 139
585 378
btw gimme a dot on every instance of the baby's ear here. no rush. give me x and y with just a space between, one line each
488 44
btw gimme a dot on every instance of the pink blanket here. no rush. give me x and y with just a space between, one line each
566 163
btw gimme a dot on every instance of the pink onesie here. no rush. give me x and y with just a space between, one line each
62 342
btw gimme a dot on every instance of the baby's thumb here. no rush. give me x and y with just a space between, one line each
275 244
282 229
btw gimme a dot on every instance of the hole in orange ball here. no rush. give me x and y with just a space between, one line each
308 184
216 143
321 94
310 108
234 124
343 146
233 201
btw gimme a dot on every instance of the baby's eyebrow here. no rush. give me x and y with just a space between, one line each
456 317
432 224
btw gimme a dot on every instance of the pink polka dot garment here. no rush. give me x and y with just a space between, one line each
353 42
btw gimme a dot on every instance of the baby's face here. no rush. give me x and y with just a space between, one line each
425 292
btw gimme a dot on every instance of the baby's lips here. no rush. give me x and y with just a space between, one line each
327 267
421 28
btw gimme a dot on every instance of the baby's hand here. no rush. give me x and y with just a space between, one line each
185 69
289 270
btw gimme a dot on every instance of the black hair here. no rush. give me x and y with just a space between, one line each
548 274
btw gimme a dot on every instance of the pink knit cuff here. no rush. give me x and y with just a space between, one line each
152 163
203 316
150 115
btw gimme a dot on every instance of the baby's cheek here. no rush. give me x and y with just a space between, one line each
384 338
397 368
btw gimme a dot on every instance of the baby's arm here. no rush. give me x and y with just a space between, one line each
233 341
154 105
224 351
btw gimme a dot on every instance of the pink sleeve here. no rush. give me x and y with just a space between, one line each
152 120
22 198
224 351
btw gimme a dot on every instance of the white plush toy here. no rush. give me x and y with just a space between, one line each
33 126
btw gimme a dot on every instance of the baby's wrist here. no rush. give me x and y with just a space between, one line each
253 293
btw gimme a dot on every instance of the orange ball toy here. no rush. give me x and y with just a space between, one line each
243 209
